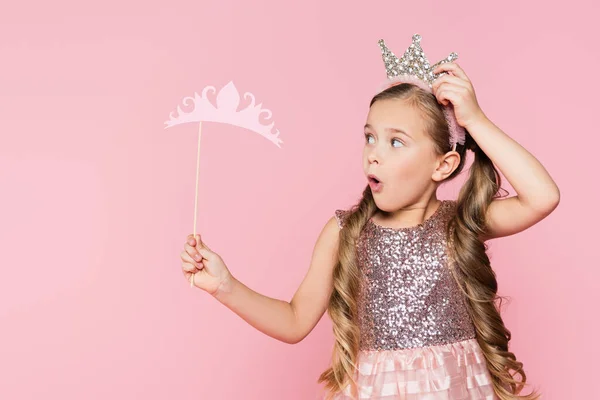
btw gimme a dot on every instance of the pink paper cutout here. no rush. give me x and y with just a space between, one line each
228 100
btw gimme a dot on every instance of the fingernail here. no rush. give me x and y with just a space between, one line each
198 258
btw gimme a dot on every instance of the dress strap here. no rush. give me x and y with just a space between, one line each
340 216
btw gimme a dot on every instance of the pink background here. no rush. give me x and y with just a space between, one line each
97 198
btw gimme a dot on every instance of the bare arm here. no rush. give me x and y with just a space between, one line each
537 193
291 321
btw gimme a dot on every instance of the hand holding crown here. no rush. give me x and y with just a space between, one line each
455 87
413 67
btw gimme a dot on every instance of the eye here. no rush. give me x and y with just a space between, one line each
368 136
397 141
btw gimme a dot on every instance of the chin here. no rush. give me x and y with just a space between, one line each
382 204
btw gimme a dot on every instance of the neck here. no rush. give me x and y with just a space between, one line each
409 215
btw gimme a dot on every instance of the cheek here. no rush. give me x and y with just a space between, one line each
409 168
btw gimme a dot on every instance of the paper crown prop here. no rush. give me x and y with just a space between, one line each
226 112
228 100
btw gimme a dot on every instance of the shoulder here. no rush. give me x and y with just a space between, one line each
329 237
450 206
340 217
451 202
447 211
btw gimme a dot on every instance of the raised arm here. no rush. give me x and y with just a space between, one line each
537 193
291 321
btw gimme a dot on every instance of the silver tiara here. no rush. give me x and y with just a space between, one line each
413 62
413 67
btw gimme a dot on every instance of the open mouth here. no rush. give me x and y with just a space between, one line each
373 178
374 183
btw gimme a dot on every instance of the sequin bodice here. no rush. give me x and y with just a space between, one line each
408 297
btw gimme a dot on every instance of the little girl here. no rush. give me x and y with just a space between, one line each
404 276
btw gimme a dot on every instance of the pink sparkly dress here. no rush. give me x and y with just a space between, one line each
417 339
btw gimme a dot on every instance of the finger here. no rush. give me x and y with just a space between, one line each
440 91
449 79
448 67
196 265
193 252
188 276
185 257
451 66
446 96
201 244
458 93
205 253
449 87
187 267
440 96
190 240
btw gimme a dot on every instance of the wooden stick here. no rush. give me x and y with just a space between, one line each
197 174
196 200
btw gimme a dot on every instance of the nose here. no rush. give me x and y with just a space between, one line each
372 155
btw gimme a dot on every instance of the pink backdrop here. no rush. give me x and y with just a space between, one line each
97 198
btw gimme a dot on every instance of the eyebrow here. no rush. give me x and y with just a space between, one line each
392 130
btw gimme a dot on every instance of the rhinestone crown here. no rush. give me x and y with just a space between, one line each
413 62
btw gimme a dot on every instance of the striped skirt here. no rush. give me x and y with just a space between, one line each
454 371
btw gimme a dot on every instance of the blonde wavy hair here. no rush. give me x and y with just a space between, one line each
472 269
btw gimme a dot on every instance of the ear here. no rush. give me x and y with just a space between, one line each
445 166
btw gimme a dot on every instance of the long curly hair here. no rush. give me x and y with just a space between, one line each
467 253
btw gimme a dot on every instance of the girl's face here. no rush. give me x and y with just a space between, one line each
399 153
